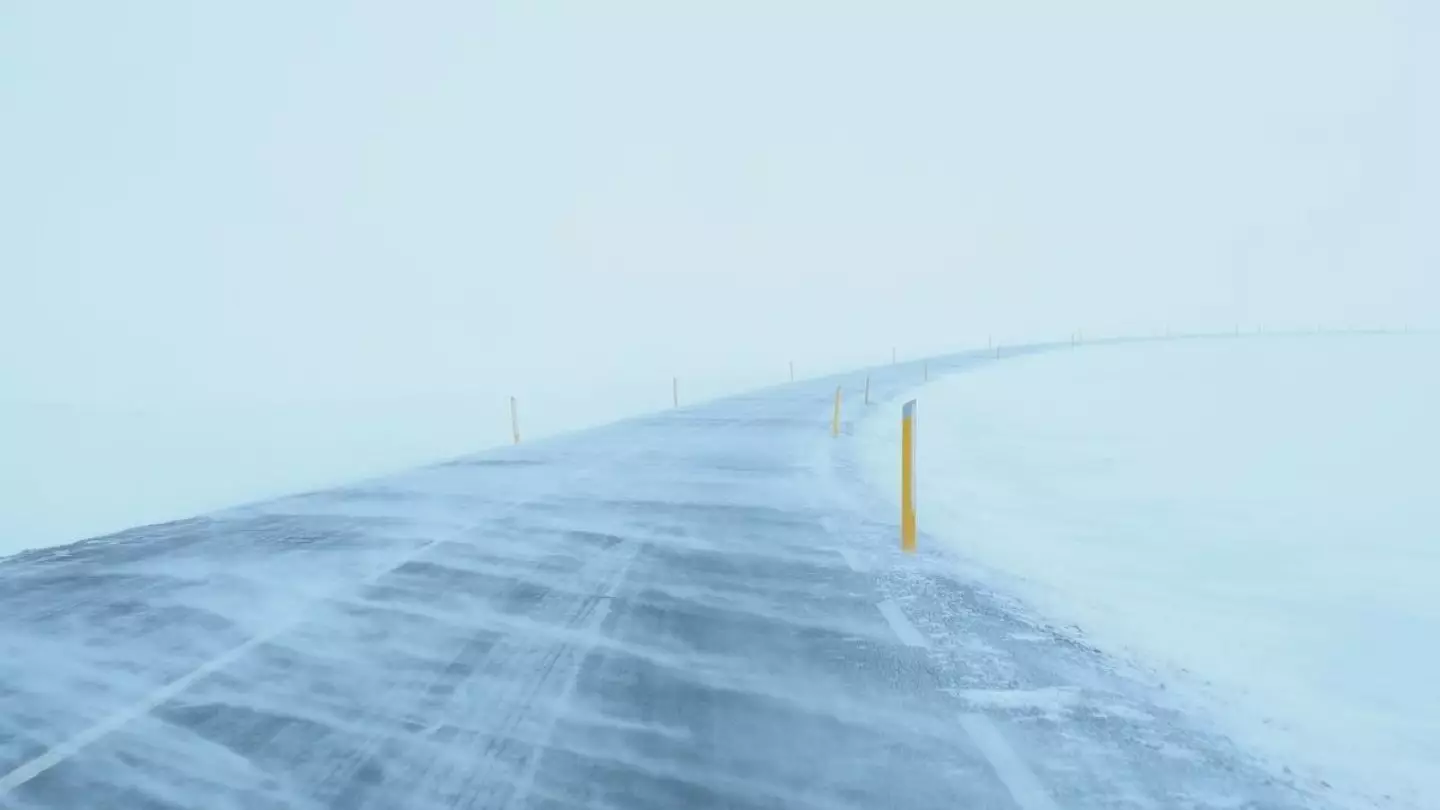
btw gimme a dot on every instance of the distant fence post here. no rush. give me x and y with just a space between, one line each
907 477
835 422
515 419
675 390
867 389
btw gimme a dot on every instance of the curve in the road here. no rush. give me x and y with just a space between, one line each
701 608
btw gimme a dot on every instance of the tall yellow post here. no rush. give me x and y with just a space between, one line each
515 419
907 477
835 422
867 389
675 390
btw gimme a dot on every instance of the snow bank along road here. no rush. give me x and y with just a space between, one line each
701 608
1254 521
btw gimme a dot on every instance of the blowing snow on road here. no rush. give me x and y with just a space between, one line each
701 608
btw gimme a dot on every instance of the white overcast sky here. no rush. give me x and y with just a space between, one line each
331 200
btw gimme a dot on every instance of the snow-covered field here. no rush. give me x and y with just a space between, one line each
1254 521
72 471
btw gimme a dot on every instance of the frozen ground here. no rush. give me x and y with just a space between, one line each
1254 521
700 608
70 471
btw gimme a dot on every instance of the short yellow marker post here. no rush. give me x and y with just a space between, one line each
907 477
515 419
835 422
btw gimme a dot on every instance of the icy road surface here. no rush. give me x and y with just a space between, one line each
702 608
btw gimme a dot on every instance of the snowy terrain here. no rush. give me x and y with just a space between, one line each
1251 521
70 471
76 471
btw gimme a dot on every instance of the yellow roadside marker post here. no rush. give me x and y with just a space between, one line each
907 477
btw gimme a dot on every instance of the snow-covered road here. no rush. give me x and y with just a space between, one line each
700 608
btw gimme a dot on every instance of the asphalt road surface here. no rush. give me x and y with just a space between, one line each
700 608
